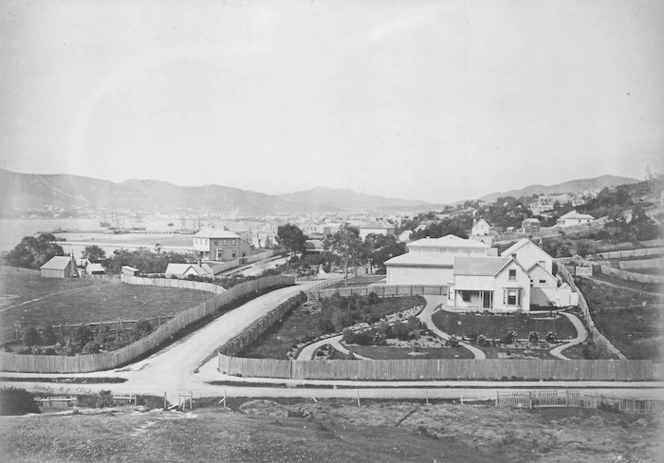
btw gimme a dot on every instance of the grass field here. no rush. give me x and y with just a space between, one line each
391 352
32 300
336 431
631 320
301 324
497 326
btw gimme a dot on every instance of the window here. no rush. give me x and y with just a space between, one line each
512 274
234 254
465 296
232 242
216 243
512 297
225 242
542 282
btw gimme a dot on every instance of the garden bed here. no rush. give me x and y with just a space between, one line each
311 320
471 325
422 353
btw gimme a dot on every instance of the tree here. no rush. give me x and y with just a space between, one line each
291 237
31 337
347 245
94 253
48 335
34 252
382 248
81 336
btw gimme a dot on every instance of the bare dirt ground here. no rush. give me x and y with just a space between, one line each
338 431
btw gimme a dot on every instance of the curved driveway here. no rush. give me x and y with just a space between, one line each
581 336
426 317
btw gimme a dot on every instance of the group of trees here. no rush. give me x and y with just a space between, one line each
33 252
145 260
82 339
344 248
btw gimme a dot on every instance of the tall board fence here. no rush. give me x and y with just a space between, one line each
251 333
108 360
223 266
443 369
6 269
381 291
632 276
173 283
641 264
598 338
643 252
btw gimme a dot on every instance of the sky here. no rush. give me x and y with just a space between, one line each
430 100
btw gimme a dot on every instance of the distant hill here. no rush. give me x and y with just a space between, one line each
574 186
26 191
349 200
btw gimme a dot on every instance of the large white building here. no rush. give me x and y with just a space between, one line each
430 261
573 218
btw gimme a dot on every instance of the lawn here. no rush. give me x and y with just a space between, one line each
303 324
647 287
391 352
32 301
497 326
631 320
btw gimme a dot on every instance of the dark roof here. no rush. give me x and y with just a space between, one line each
479 266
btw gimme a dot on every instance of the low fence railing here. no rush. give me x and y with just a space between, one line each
381 291
543 398
108 360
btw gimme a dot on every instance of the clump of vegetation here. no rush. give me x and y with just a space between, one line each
15 401
34 252
82 339
378 336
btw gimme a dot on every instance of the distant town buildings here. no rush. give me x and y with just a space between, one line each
573 218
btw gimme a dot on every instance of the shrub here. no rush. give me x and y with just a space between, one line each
533 337
509 337
551 337
31 337
91 348
453 341
81 336
48 335
348 336
14 401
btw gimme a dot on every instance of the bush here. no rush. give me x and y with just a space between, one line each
14 401
48 335
80 337
533 337
31 337
91 348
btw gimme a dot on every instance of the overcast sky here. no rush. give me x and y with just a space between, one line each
439 100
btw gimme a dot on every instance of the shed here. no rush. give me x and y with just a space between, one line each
58 267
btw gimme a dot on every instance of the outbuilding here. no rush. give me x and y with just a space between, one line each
58 267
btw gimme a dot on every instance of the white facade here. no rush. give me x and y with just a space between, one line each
481 228
574 218
529 254
430 261
497 284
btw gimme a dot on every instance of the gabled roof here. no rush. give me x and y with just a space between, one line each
520 244
575 215
532 219
450 241
537 264
479 266
181 269
215 233
57 263
422 259
376 224
94 268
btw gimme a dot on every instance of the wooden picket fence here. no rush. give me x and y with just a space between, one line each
57 402
545 398
108 360
172 283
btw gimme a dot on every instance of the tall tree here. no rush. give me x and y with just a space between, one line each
347 245
94 253
291 237
383 248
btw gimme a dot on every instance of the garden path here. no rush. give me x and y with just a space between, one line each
425 316
581 336
307 352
